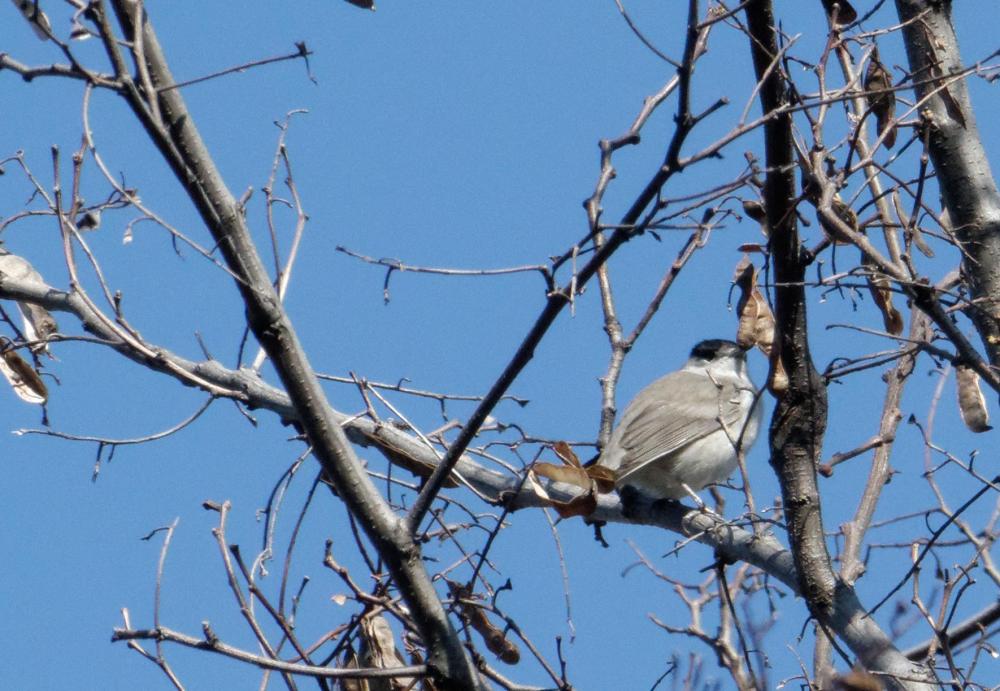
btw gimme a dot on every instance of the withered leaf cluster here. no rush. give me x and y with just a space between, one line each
881 98
593 480
756 322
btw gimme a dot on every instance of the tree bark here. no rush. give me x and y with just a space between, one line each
799 421
968 189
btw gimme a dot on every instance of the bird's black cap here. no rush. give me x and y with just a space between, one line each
715 348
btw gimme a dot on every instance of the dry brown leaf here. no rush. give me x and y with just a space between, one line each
570 472
883 105
971 402
378 647
891 317
845 12
581 505
756 325
603 477
22 377
857 680
566 454
563 473
494 637
881 292
755 210
879 286
916 235
745 278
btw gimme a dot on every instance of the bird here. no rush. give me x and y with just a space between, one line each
684 431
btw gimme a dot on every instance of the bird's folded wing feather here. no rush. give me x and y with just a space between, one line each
672 424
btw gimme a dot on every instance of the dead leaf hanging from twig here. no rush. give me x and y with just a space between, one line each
494 637
881 291
971 402
756 325
882 295
22 377
881 100
845 13
755 210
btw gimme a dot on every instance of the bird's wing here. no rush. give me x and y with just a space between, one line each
649 433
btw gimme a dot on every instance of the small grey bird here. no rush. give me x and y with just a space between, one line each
683 431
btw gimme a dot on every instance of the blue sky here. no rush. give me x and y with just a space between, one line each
445 134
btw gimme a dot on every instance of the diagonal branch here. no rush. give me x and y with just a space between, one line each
164 115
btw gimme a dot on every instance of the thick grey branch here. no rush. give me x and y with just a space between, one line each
968 188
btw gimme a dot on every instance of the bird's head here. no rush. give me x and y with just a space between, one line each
718 355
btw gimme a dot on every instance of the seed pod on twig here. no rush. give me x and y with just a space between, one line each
38 19
971 402
21 376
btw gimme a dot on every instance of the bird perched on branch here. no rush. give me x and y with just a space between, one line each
685 430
